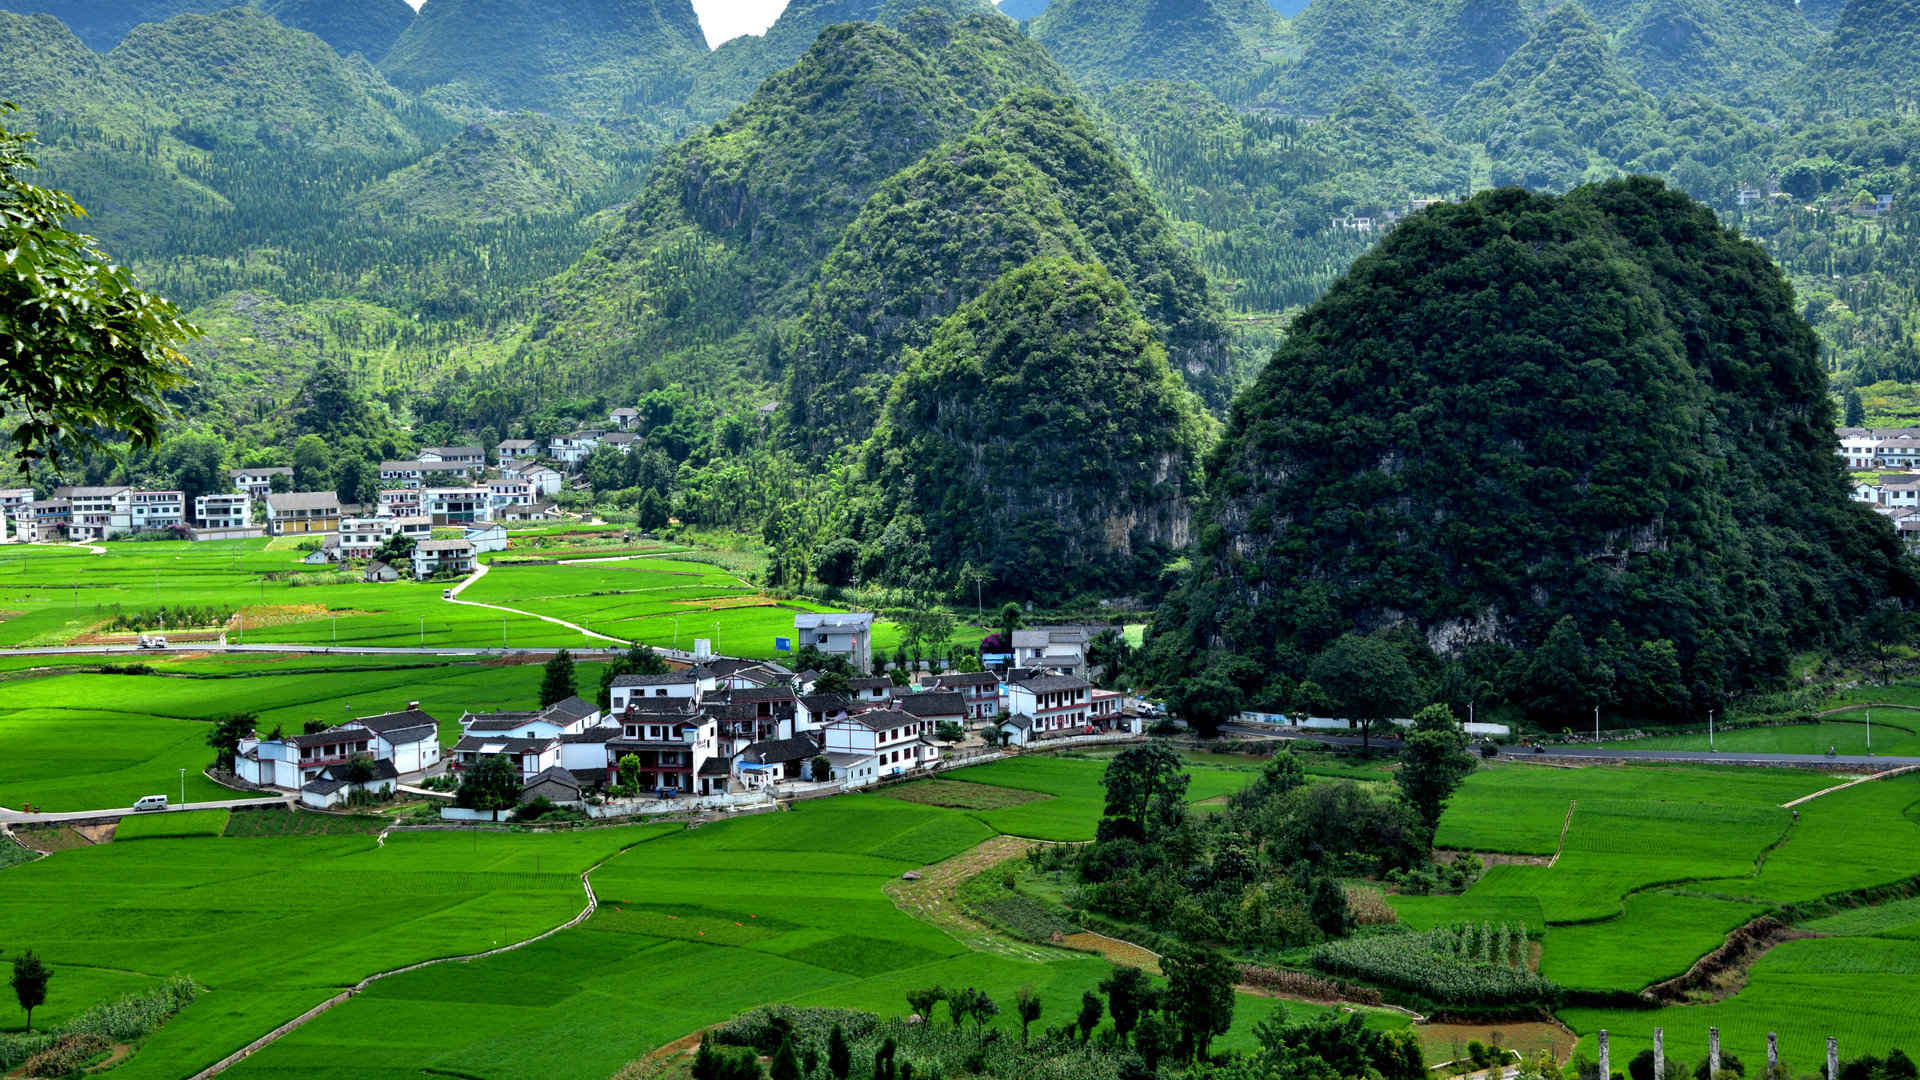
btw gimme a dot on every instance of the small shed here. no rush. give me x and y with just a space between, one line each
556 785
1018 729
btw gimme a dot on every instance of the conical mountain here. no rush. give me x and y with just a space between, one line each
1742 50
512 166
1034 178
368 27
570 57
1376 138
1212 42
1560 106
49 68
736 219
1464 42
235 73
1871 64
1041 436
739 66
1512 421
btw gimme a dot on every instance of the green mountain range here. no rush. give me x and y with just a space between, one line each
1591 425
368 27
584 58
1205 41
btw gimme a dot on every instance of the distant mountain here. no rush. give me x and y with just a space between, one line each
737 218
1427 53
1560 109
1041 436
1034 178
368 27
1871 64
584 58
511 166
1541 390
1743 50
738 67
1212 42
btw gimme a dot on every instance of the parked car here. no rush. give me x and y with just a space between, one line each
151 802
153 641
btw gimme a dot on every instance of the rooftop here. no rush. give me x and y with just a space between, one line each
949 703
303 500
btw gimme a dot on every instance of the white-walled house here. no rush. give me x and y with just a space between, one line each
675 685
223 510
256 482
431 557
1057 703
410 738
291 762
981 689
815 711
517 450
567 717
934 708
533 756
891 738
838 633
871 689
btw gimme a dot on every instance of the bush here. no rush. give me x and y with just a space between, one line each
1450 965
68 1054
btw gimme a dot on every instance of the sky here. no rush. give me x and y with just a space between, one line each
724 20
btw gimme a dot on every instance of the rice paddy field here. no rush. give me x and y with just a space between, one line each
55 594
1893 732
1658 864
86 741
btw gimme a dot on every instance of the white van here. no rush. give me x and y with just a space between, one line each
151 802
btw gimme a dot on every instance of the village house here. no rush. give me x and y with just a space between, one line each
624 418
1016 730
517 450
533 756
335 785
815 711
676 685
225 510
256 483
623 441
567 717
871 689
934 709
870 746
362 537
299 513
981 689
418 474
98 513
14 508
844 634
1106 710
410 738
158 509
1057 703
572 448
557 785
545 480
432 557
290 762
1062 648
51 519
775 761
487 538
512 490
458 505
545 511
471 458
400 503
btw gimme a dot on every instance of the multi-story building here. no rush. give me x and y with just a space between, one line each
158 509
362 537
299 513
1057 703
848 634
517 450
16 519
256 482
431 557
419 474
572 448
458 506
981 689
401 502
624 418
473 458
51 519
868 746
224 510
99 513
512 490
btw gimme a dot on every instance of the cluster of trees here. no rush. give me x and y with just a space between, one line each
1263 874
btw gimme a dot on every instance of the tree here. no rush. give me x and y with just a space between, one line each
839 1055
1641 1067
492 783
1205 701
883 1060
1856 410
359 769
87 352
836 562
1155 1039
1091 1009
1367 679
1129 993
1009 622
1327 907
820 769
786 1063
192 462
1199 996
355 479
924 1000
557 684
226 735
1146 793
1026 1005
312 464
629 769
1108 655
1433 762
30 979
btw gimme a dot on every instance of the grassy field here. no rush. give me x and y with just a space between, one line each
77 741
1076 796
1895 732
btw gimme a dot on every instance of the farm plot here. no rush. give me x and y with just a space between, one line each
1893 732
1863 836
694 928
81 741
1078 799
333 909
1659 936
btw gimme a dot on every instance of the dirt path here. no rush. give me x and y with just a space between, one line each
298 1022
1842 787
930 899
480 571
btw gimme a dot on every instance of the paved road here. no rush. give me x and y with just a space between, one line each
15 817
1521 753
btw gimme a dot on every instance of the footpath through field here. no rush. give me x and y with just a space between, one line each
480 571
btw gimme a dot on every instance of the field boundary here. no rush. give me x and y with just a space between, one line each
1902 770
1566 823
298 1022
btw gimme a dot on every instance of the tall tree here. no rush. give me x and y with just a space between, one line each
1856 410
558 683
1146 793
225 737
30 978
86 351
1026 1005
1199 996
1366 679
1129 993
1433 762
312 464
839 1055
492 783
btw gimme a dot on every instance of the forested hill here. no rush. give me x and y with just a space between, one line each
1582 445
1032 178
368 27
586 58
737 218
1205 41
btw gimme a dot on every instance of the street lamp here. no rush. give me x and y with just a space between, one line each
183 787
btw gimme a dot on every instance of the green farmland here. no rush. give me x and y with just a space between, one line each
1894 732
52 595
78 741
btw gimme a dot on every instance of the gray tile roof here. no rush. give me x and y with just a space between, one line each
948 703
1048 683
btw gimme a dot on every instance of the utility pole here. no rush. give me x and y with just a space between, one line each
1869 731
1596 725
1709 730
423 631
183 787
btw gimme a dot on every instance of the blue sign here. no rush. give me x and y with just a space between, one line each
781 644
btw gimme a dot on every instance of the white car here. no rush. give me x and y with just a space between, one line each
151 802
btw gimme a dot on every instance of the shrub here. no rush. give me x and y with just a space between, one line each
68 1054
1451 965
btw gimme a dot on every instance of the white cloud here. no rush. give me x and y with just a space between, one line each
723 20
